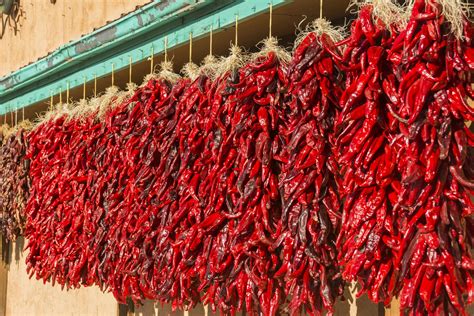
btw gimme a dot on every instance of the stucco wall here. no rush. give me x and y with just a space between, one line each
32 297
3 282
39 27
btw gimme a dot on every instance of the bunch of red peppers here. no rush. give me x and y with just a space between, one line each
405 154
435 163
269 187
65 210
311 210
366 132
15 182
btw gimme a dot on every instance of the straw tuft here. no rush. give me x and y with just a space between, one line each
455 13
387 11
234 61
190 70
166 72
270 44
6 130
209 67
110 99
320 27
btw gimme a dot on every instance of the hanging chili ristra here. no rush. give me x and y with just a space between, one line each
367 150
311 212
242 212
15 183
434 206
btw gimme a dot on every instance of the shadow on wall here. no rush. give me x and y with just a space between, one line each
154 309
12 20
6 250
157 309
350 306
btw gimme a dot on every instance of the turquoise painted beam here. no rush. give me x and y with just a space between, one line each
137 45
145 19
25 86
111 35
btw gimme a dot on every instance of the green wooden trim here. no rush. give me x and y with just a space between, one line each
25 86
196 18
146 19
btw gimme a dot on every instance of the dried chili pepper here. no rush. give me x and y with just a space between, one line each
367 149
140 199
311 204
15 184
243 200
435 162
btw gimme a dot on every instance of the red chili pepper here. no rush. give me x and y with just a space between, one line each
431 163
270 186
15 184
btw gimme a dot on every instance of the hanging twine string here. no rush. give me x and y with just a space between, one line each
209 66
51 100
113 74
95 85
210 41
190 47
16 115
270 22
60 97
130 70
166 48
67 93
190 69
84 88
321 9
236 30
23 113
152 55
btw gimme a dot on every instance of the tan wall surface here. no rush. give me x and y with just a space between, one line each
40 26
32 297
3 281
